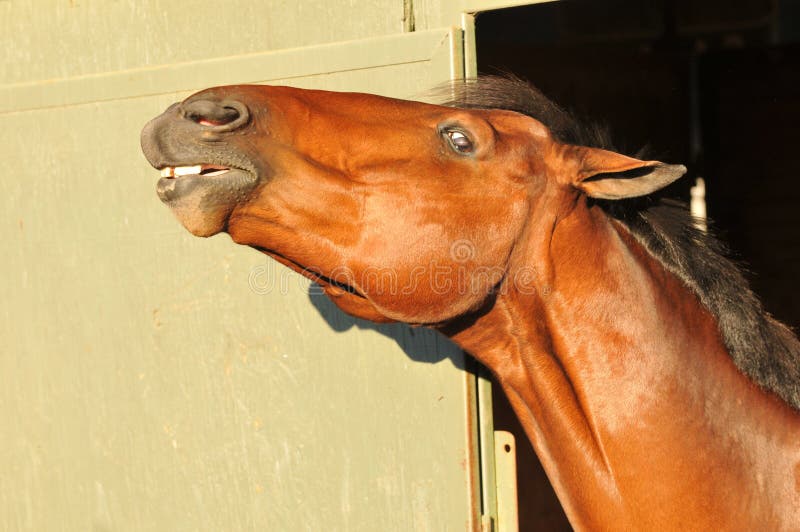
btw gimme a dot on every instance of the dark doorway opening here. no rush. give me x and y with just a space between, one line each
714 85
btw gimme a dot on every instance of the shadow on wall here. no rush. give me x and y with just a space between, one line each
420 345
539 508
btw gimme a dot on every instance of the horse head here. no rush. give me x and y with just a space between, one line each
401 211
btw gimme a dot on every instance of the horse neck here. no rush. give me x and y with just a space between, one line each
619 376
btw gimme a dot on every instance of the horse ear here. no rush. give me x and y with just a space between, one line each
607 175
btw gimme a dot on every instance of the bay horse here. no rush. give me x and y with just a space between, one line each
656 391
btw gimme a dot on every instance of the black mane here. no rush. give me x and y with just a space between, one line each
761 347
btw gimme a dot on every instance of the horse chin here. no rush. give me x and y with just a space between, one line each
197 214
204 204
199 222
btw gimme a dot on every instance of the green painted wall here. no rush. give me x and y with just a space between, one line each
54 39
150 380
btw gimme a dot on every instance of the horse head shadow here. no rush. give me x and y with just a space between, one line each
420 345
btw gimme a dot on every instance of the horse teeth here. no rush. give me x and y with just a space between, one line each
187 170
177 171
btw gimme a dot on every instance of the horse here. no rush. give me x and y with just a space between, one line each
655 389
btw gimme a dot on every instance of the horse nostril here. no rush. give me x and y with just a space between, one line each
227 116
230 114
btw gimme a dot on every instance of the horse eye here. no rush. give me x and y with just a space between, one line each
460 142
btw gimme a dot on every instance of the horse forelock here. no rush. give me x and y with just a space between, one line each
760 346
514 94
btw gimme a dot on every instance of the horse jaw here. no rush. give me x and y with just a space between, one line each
343 296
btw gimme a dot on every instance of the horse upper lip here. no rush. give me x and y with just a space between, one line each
198 169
